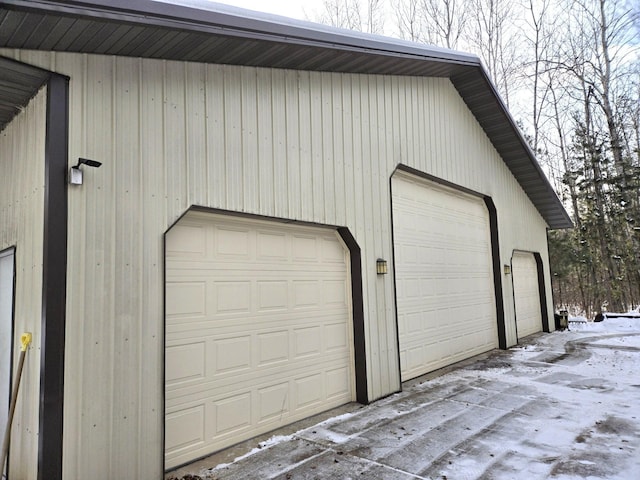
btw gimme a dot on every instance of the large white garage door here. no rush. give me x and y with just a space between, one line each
258 330
444 275
526 294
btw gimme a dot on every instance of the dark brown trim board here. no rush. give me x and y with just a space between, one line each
543 293
359 351
497 272
54 280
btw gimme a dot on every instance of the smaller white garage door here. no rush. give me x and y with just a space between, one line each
258 330
526 294
444 275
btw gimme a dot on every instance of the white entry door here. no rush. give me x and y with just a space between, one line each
444 275
6 333
526 294
258 330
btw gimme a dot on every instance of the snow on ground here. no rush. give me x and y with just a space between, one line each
562 406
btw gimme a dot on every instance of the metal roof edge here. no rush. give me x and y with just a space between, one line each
222 19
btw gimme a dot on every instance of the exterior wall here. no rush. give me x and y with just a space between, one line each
315 147
21 225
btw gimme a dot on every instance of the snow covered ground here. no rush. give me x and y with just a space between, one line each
564 405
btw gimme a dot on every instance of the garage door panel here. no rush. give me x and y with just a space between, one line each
275 328
185 428
185 363
444 275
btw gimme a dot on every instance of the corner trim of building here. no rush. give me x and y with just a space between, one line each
54 279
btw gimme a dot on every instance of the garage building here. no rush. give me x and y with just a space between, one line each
287 217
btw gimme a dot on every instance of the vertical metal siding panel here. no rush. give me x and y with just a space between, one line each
233 138
127 265
155 220
249 157
316 156
279 149
428 148
217 155
292 112
266 136
337 152
304 125
372 160
196 134
400 110
174 136
98 381
387 163
22 217
418 153
368 244
76 262
348 152
382 229
327 158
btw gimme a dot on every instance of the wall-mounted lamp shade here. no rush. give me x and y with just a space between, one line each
507 269
381 266
88 162
75 174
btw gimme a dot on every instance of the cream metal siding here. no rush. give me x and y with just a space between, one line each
258 330
21 225
444 275
317 147
526 294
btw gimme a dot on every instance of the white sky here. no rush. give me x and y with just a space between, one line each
290 8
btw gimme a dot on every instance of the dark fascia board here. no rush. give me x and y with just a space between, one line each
363 53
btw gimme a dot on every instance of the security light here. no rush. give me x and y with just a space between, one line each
88 163
75 174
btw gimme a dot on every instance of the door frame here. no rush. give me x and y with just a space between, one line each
11 253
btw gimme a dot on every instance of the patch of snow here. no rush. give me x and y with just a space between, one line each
618 324
270 442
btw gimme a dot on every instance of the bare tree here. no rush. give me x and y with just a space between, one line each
493 36
409 20
437 22
540 36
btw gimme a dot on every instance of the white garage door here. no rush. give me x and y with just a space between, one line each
258 330
526 294
444 275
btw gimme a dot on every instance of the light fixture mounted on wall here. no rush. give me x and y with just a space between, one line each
381 266
507 269
75 174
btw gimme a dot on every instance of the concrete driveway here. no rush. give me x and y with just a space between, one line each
564 405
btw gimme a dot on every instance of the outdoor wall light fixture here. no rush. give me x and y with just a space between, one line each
381 266
507 269
75 174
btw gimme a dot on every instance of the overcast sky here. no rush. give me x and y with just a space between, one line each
287 8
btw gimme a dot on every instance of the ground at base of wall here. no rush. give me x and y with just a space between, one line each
558 406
